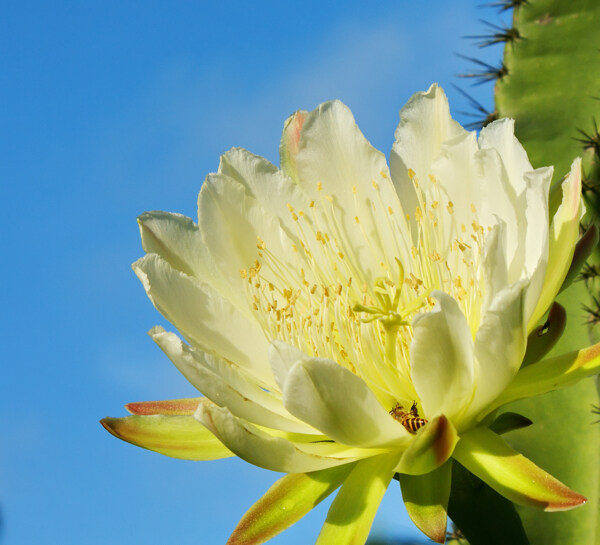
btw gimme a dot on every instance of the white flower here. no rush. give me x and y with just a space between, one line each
321 301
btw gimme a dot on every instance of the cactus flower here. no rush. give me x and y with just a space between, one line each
347 322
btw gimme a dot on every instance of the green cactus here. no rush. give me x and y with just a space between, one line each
549 82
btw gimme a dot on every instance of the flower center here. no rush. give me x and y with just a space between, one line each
330 306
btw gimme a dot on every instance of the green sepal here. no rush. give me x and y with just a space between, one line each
432 446
517 478
544 337
175 436
509 421
352 512
551 374
483 516
584 248
426 500
286 502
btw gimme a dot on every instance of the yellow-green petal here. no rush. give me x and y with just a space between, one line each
352 512
551 374
564 233
285 503
426 500
432 446
176 436
488 456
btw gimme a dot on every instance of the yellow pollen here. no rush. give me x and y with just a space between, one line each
383 174
311 204
329 198
432 178
473 209
340 255
391 212
450 207
319 186
375 185
290 207
356 219
411 173
243 273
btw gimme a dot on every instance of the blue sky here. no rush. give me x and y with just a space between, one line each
113 108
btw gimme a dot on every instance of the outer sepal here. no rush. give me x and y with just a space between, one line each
543 338
486 455
551 374
352 512
432 446
175 436
169 407
286 502
426 500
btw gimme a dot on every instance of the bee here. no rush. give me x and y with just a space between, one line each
409 419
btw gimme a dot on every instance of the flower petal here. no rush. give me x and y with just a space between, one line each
349 181
352 512
551 374
426 500
486 455
175 436
265 183
177 239
232 223
203 316
432 446
282 357
290 143
442 366
425 124
170 407
227 385
564 233
273 452
340 404
500 344
285 503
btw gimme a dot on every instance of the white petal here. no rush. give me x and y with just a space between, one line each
334 155
282 358
227 385
500 136
265 183
177 239
425 125
204 317
340 404
534 226
232 222
441 355
500 344
495 267
258 447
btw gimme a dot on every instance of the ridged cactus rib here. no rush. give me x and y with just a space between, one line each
551 89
